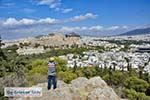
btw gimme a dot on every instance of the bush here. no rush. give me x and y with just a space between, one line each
38 66
66 76
36 78
79 72
133 95
38 72
61 64
137 84
118 78
89 72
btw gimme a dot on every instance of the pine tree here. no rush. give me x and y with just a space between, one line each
0 44
2 56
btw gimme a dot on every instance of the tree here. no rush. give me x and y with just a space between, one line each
3 68
36 45
66 76
118 78
131 94
146 74
75 66
128 64
37 71
61 64
2 55
3 61
110 75
137 84
19 71
21 45
141 71
1 44
114 65
89 71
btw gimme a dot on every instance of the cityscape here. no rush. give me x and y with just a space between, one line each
84 50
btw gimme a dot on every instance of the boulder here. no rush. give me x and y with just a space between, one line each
79 89
105 93
95 82
61 84
79 82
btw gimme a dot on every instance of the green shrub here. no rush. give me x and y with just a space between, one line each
137 84
36 78
66 76
38 72
133 95
61 64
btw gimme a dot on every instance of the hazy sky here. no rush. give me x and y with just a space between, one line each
23 18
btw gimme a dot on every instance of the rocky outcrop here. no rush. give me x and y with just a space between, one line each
58 40
79 89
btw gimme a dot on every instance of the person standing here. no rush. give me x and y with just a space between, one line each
52 74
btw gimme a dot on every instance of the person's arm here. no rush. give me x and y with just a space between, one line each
55 63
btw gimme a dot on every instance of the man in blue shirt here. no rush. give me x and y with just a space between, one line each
52 74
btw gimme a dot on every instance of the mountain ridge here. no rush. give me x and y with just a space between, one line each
137 32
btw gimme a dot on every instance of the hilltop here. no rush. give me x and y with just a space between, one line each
79 89
42 43
137 32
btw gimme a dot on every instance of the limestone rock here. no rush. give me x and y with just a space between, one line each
103 94
95 82
79 82
61 84
79 89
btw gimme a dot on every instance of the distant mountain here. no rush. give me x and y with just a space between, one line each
137 32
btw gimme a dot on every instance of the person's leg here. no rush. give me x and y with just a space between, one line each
54 82
49 82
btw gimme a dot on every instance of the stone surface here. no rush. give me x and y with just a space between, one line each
79 82
79 89
95 82
103 94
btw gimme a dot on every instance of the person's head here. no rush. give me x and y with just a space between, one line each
51 59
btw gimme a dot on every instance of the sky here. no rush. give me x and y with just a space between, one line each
27 18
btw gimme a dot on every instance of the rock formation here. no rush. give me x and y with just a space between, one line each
79 89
